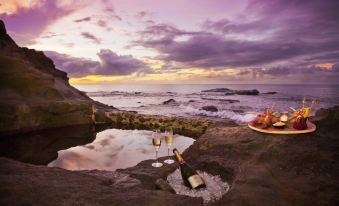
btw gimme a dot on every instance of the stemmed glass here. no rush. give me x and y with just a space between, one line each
169 141
156 140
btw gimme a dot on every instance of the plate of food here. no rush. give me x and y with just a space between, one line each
274 122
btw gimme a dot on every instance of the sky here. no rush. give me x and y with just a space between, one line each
182 41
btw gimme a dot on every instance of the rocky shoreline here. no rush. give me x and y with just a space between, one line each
262 169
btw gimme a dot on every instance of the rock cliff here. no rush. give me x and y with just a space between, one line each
34 94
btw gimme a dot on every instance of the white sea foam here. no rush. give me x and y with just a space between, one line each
241 118
215 187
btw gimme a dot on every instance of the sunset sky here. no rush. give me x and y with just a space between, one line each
182 41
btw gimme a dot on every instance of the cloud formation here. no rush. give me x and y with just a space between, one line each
110 64
25 24
75 67
114 64
91 37
292 33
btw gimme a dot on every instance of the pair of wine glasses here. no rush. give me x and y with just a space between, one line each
156 140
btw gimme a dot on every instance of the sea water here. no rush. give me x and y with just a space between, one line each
189 99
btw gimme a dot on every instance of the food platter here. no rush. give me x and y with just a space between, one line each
287 130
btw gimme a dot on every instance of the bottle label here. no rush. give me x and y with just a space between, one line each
195 181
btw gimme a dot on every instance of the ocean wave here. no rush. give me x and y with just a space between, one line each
225 114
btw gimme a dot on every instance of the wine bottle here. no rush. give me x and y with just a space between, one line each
189 176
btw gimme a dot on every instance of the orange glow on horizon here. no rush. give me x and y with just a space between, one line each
327 66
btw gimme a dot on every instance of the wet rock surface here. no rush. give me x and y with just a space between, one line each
170 101
262 169
210 108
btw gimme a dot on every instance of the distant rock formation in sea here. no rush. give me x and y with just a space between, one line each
233 92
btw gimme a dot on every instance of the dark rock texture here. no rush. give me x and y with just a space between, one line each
34 94
210 108
170 101
222 100
263 169
24 184
233 92
270 93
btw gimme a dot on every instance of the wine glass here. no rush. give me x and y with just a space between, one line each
156 140
169 141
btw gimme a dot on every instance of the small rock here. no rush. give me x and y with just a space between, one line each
191 100
210 108
270 92
170 101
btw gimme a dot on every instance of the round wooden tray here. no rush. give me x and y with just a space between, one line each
286 130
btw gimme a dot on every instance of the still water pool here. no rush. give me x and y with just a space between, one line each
113 149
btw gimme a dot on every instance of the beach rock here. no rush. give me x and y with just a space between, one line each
56 186
270 93
34 94
243 92
218 90
170 101
191 127
262 169
233 92
268 169
210 108
161 184
222 100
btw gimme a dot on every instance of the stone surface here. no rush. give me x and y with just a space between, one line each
232 91
170 101
162 184
262 169
35 95
24 184
222 100
270 93
210 108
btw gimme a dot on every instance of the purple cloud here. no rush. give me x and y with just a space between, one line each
26 24
281 31
114 64
90 36
75 67
110 64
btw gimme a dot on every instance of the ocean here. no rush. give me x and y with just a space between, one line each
189 98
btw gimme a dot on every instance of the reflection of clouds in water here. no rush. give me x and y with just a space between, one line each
130 142
113 149
71 160
143 150
110 136
104 142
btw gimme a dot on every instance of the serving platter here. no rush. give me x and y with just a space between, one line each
287 130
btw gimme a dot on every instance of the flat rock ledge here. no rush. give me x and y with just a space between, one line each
262 169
